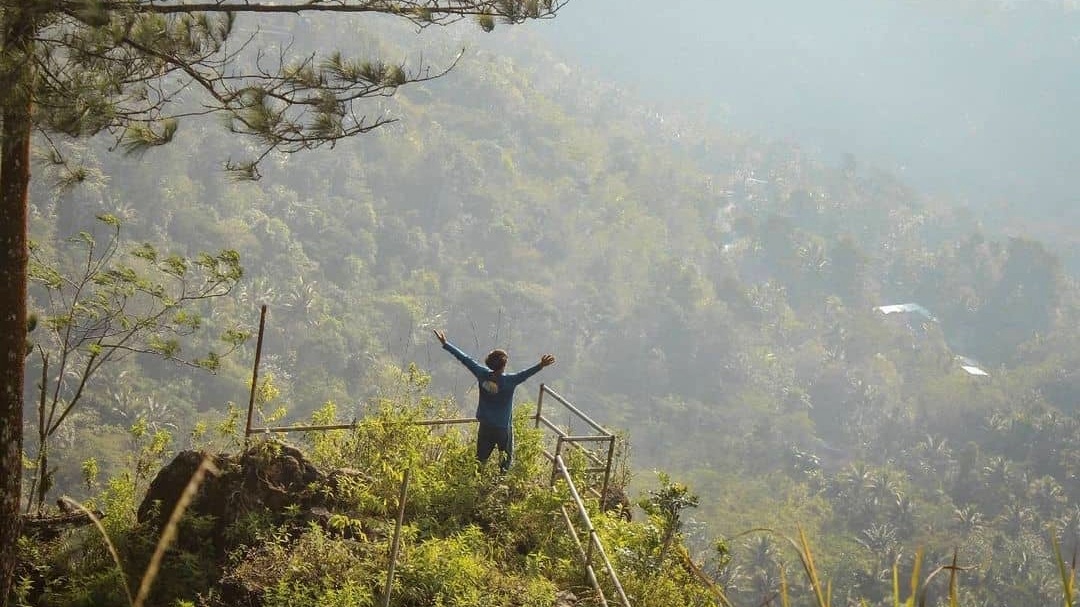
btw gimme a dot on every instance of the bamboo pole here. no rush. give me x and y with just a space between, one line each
255 373
396 546
353 426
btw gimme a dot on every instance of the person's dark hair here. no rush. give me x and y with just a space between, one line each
496 360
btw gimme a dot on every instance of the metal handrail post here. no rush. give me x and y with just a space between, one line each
539 404
555 459
607 471
582 512
611 573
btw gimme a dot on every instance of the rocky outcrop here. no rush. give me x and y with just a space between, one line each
270 477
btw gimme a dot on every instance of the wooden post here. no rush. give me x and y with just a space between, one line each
255 373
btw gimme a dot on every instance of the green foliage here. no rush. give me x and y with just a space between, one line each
447 571
315 567
229 427
349 594
266 395
472 536
90 471
101 305
664 507
119 502
727 324
325 444
459 570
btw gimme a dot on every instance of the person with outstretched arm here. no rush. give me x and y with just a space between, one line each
496 402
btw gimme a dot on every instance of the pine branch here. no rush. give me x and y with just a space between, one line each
436 12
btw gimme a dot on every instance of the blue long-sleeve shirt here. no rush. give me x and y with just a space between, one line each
496 402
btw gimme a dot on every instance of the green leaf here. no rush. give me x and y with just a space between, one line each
212 362
188 319
235 337
146 251
109 219
175 265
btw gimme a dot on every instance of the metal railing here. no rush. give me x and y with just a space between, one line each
249 429
598 465
353 426
595 465
586 551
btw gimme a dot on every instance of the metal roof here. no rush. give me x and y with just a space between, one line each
906 307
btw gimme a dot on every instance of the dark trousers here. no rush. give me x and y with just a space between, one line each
488 437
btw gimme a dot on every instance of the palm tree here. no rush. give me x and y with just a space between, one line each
882 542
850 491
1068 526
970 519
935 454
300 301
763 565
1015 519
256 292
998 472
904 513
881 489
1047 495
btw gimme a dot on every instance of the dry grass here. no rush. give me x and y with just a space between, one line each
1067 571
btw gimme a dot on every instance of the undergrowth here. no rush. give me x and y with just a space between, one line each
472 536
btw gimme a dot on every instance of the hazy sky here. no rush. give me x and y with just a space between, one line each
974 102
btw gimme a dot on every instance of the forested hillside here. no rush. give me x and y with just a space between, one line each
959 97
710 293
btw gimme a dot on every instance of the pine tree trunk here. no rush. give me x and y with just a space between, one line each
15 81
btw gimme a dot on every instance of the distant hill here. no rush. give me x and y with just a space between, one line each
965 99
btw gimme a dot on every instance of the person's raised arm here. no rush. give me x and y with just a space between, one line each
477 369
545 361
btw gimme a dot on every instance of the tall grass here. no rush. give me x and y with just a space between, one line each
954 583
1066 571
916 567
918 588
822 594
